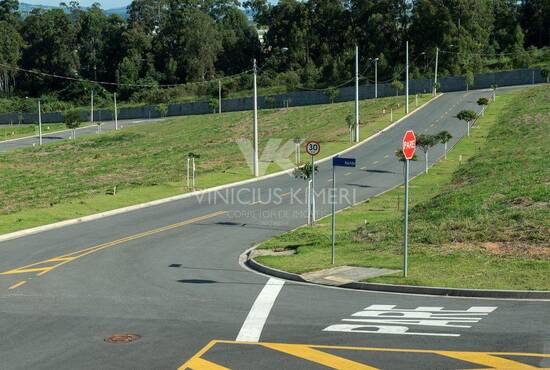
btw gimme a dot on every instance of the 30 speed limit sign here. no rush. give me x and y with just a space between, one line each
313 148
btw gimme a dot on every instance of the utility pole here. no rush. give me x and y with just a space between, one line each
92 108
376 78
435 74
356 93
116 115
39 123
220 96
407 81
255 161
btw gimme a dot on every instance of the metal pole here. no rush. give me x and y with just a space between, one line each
435 74
356 93
220 96
333 215
407 81
406 228
188 160
312 189
116 115
193 173
39 123
92 108
309 202
376 78
255 160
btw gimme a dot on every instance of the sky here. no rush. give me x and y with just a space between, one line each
105 4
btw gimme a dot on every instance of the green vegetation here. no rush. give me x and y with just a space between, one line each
484 223
70 179
17 131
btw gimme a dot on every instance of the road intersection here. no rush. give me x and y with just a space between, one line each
171 274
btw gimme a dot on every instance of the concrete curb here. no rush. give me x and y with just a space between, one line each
405 289
118 211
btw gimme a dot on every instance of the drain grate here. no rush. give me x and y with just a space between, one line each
122 338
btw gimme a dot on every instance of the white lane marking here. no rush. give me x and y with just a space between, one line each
255 321
386 319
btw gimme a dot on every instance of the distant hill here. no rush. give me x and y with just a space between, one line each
25 9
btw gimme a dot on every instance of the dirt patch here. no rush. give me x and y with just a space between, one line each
516 249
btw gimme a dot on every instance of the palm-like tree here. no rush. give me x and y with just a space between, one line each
467 116
444 137
483 102
425 142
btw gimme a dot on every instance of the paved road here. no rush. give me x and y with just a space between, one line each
66 134
171 274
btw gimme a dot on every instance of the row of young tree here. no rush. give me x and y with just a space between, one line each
306 43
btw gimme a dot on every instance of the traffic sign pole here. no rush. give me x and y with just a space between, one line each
312 148
409 147
406 227
312 190
333 214
337 162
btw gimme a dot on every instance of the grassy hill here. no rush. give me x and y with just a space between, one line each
70 179
483 224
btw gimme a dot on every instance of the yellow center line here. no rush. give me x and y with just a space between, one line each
57 262
15 286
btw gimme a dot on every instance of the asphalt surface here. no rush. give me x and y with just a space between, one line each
171 274
66 134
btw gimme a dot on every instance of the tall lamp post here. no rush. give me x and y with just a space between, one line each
375 60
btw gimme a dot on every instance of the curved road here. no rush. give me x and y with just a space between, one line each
171 274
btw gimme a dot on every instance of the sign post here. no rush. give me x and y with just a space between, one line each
337 162
313 148
409 147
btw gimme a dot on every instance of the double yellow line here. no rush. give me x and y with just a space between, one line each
43 267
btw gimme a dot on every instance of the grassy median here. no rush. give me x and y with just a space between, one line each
74 178
480 223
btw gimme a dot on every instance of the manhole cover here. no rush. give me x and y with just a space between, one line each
122 338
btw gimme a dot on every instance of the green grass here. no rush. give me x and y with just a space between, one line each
482 223
70 179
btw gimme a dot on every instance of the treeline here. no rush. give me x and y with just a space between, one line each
306 44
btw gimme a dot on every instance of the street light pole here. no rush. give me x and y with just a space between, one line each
255 161
356 93
92 108
407 81
39 123
376 78
435 74
116 115
220 96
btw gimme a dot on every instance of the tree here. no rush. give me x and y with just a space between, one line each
483 102
51 44
72 121
444 137
190 37
305 171
425 142
467 116
213 104
332 93
9 11
11 48
397 85
350 121
469 78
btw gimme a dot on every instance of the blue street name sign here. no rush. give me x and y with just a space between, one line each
343 162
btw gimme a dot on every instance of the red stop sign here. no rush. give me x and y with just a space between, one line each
409 144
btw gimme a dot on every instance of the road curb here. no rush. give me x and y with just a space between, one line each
405 289
118 211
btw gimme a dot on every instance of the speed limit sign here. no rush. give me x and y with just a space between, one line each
313 148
